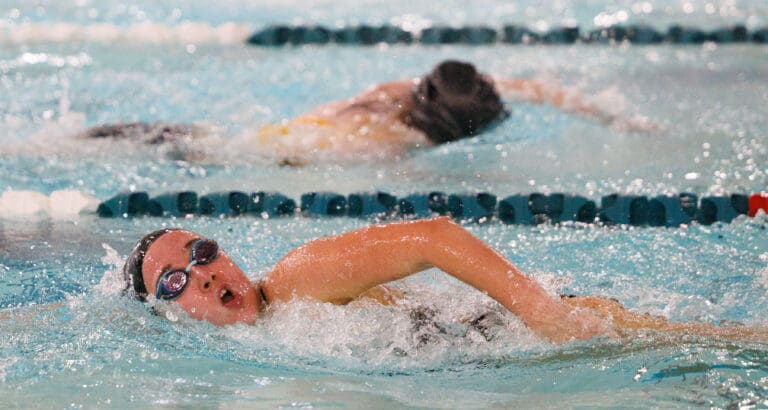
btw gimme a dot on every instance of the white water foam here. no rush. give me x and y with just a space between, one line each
148 32
111 283
429 327
5 364
763 274
59 204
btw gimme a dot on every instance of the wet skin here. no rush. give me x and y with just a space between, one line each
218 292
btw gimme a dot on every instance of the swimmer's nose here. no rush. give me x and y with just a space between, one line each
207 279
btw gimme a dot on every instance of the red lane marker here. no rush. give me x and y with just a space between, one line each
757 202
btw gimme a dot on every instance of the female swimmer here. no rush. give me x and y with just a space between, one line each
454 101
182 267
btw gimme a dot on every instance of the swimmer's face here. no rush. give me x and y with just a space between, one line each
217 291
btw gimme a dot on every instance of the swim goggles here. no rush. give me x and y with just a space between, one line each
172 283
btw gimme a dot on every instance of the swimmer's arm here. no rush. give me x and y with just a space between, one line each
571 100
341 267
627 321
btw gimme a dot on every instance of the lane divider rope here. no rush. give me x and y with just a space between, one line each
526 208
361 35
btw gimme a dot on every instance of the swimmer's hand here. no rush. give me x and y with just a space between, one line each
636 124
580 324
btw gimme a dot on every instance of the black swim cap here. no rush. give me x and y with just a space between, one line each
132 273
454 101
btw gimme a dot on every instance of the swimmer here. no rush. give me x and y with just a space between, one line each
452 102
182 267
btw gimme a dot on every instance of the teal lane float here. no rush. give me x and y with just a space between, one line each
522 209
368 35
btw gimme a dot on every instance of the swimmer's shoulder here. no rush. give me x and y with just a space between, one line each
393 89
385 98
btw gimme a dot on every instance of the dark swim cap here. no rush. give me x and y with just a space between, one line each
132 273
454 101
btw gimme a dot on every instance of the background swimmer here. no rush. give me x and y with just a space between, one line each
183 267
454 101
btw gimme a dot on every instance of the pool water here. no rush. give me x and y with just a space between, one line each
71 340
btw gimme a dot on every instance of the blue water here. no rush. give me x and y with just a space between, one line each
705 13
71 340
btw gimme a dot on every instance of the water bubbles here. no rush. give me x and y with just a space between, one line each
643 7
609 19
639 373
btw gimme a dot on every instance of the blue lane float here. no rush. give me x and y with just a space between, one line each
176 204
686 35
371 35
643 35
735 34
440 35
310 35
632 34
760 36
722 208
367 35
536 208
518 35
478 207
423 205
672 211
570 208
477 35
516 209
271 204
617 209
273 36
125 205
224 204
323 204
371 204
561 35
523 209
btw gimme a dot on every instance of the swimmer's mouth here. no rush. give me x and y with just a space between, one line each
226 296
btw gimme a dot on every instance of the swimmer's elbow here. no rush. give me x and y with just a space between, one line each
435 234
429 230
441 225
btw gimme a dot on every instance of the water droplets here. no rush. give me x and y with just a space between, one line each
171 315
639 373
